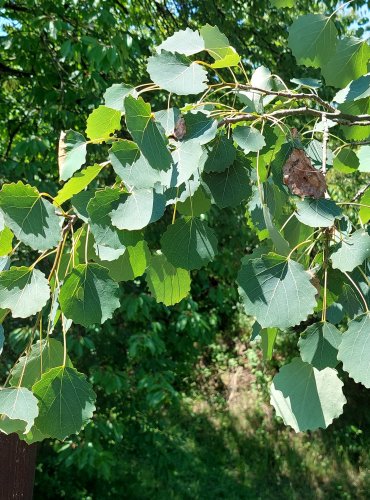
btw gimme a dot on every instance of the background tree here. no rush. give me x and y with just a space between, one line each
157 367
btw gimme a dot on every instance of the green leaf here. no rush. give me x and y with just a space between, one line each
364 158
351 252
122 155
167 283
187 42
134 169
282 4
218 46
314 151
199 127
99 209
229 188
80 201
66 402
346 161
364 212
6 241
221 154
356 132
319 344
317 213
31 218
348 63
310 83
195 205
248 138
187 158
295 232
39 360
356 90
354 350
77 184
138 209
189 243
167 119
71 153
142 127
89 295
18 410
2 338
277 291
312 39
268 337
176 73
115 95
280 244
102 122
307 398
23 290
131 264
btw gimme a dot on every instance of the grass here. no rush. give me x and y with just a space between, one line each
222 441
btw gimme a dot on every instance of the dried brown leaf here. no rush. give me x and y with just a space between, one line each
302 178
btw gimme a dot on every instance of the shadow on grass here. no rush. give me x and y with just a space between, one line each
205 454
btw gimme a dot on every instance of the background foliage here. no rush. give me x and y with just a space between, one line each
182 403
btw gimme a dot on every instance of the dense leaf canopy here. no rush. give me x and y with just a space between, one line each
143 178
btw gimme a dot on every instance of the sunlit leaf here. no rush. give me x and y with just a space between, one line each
187 42
23 290
276 290
132 263
354 350
177 73
317 213
348 63
77 183
167 283
115 95
138 209
18 410
32 219
352 251
356 90
218 46
102 122
312 39
307 398
248 138
200 129
346 161
71 153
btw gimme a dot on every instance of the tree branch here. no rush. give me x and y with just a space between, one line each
360 192
290 95
339 117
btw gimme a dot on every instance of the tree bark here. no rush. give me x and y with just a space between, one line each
17 468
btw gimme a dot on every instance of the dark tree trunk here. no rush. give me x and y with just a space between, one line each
17 468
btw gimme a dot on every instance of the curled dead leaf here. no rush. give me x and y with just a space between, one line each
180 128
302 178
